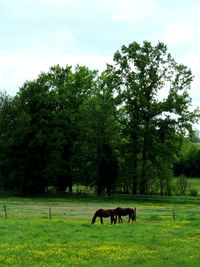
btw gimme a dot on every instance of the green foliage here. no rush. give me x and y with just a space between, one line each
193 192
99 139
45 129
109 130
195 136
188 161
153 127
181 185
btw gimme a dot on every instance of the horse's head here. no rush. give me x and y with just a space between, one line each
93 220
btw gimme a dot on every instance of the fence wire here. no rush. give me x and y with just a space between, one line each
75 212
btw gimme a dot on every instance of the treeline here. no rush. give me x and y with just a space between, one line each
122 128
188 162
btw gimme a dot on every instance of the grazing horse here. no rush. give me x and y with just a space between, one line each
104 214
123 212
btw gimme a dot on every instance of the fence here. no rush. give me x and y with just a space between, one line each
74 212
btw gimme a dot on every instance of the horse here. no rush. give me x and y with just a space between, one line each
123 212
104 214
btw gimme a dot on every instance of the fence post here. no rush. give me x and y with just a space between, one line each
5 211
174 215
49 212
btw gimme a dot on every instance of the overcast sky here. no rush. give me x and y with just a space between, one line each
37 34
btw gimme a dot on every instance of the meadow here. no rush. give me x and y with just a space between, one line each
57 231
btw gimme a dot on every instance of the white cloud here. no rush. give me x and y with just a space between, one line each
132 10
195 91
192 60
16 68
180 33
177 34
196 84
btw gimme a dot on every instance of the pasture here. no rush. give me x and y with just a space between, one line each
57 231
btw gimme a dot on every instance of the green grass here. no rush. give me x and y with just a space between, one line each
30 238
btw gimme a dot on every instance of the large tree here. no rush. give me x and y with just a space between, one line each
154 124
7 127
44 133
100 137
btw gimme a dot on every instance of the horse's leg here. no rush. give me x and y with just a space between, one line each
133 215
129 218
111 219
101 219
119 218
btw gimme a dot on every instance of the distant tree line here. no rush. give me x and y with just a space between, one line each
188 160
122 128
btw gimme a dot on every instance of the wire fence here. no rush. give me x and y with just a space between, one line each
75 212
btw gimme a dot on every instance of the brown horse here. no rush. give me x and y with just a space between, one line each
104 214
124 212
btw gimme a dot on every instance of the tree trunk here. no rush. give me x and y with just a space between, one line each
70 183
143 185
134 179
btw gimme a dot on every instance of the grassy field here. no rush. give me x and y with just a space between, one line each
30 238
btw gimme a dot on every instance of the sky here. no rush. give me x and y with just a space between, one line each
37 34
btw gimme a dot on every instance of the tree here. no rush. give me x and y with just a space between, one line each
7 126
100 131
153 125
188 160
196 136
45 133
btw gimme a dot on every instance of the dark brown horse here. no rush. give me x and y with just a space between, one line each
104 214
124 212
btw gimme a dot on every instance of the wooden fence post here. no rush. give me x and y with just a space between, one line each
174 215
49 212
5 211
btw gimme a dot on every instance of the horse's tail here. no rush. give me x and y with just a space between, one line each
133 215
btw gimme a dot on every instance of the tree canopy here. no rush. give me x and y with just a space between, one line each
122 128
